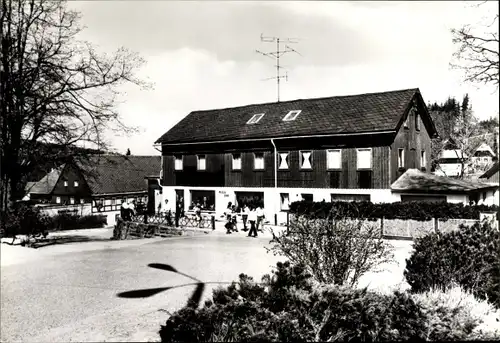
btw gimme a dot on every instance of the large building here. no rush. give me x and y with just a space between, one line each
335 148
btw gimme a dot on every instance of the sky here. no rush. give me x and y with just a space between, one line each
202 55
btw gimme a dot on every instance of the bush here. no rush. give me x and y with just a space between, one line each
27 220
335 250
68 221
288 306
416 210
469 257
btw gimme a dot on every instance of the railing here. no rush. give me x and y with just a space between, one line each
189 219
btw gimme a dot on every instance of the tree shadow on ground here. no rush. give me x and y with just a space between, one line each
50 241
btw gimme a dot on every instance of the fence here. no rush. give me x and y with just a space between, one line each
410 229
188 220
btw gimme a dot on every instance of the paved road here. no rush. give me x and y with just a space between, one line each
72 296
68 293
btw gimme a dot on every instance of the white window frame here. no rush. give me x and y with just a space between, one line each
72 200
358 159
329 162
401 158
255 161
301 159
280 160
58 200
284 200
256 118
178 166
423 161
65 183
292 115
199 165
75 183
233 165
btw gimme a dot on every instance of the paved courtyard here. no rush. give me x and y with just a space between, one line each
68 293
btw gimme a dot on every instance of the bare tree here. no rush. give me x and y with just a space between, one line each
55 89
478 50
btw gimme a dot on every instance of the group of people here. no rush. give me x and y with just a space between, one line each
127 210
249 213
165 210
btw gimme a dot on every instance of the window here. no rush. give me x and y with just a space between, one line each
306 160
178 162
350 197
292 115
82 201
417 122
407 121
71 200
58 200
285 201
334 159
364 158
118 201
107 202
255 118
335 179
283 160
202 162
236 161
364 179
307 197
113 201
75 183
423 162
258 160
65 183
401 158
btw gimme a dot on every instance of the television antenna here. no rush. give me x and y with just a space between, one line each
280 51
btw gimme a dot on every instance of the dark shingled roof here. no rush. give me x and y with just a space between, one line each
46 184
106 174
415 180
333 115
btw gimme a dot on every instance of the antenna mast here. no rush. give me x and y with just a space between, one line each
277 54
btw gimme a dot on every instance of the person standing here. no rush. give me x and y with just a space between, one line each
131 209
234 215
260 218
124 211
252 218
166 212
244 216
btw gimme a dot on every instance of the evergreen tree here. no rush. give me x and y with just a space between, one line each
128 152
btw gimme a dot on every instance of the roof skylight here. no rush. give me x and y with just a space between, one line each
292 115
255 119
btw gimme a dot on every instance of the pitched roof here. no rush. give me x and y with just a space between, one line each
489 173
414 180
333 115
46 184
107 174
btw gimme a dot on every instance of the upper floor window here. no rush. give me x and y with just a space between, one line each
283 160
306 160
65 183
75 183
334 159
258 160
236 161
406 124
202 162
71 200
292 115
178 162
417 121
423 162
82 201
58 200
401 158
364 158
255 118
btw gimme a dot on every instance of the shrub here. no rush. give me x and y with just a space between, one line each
469 257
421 211
68 221
288 306
334 250
27 220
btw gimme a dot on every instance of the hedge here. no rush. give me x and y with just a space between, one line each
421 211
65 221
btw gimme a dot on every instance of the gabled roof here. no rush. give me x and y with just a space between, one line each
374 112
107 174
46 184
484 148
490 172
414 180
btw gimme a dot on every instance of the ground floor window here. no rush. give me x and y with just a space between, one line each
423 198
307 197
205 199
350 197
250 199
285 201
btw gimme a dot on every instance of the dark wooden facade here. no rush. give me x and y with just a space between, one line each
79 193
